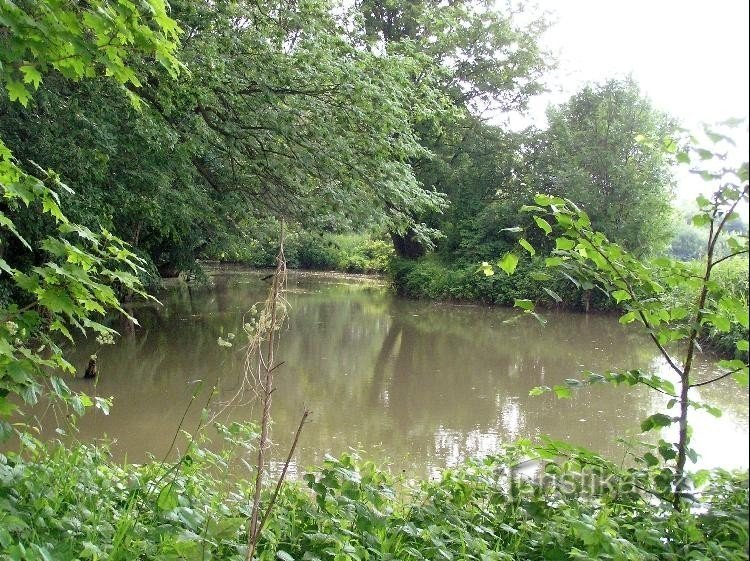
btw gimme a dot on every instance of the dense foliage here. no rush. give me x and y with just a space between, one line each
602 149
77 503
72 279
304 249
195 129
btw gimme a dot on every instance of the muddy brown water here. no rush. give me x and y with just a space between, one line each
416 386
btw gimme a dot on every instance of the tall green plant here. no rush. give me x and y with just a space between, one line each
587 258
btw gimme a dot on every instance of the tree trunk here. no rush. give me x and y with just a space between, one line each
91 370
407 246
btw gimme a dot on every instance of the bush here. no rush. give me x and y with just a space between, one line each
731 276
432 278
350 253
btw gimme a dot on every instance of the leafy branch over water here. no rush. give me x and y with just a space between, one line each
586 256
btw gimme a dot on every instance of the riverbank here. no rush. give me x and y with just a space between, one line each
347 253
435 279
432 278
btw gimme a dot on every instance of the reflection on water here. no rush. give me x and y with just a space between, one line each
417 384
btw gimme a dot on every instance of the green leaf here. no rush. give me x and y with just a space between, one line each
650 459
6 407
527 246
629 317
543 224
31 75
742 345
701 220
5 267
284 556
168 498
540 276
537 317
508 263
565 244
526 305
539 390
562 392
17 92
657 420
555 296
620 295
531 208
720 322
667 451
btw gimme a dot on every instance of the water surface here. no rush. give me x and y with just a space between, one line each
415 385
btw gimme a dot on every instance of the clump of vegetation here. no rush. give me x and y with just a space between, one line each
433 278
349 253
75 502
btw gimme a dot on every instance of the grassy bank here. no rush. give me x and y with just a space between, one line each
74 502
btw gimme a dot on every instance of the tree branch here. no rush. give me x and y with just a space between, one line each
725 375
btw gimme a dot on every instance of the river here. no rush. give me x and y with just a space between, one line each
415 385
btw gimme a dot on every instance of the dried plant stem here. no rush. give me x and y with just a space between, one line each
275 313
254 541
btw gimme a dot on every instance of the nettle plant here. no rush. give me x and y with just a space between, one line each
640 288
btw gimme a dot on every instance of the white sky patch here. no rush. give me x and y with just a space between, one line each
690 58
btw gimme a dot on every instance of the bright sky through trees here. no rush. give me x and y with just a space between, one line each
689 57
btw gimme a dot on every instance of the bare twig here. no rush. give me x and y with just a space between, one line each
268 323
279 483
721 377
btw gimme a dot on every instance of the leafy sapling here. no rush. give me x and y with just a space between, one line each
639 288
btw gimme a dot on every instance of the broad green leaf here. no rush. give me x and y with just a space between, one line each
562 392
6 407
527 305
621 295
543 200
657 420
650 459
508 263
701 219
565 244
18 92
527 246
628 317
543 224
31 75
168 498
